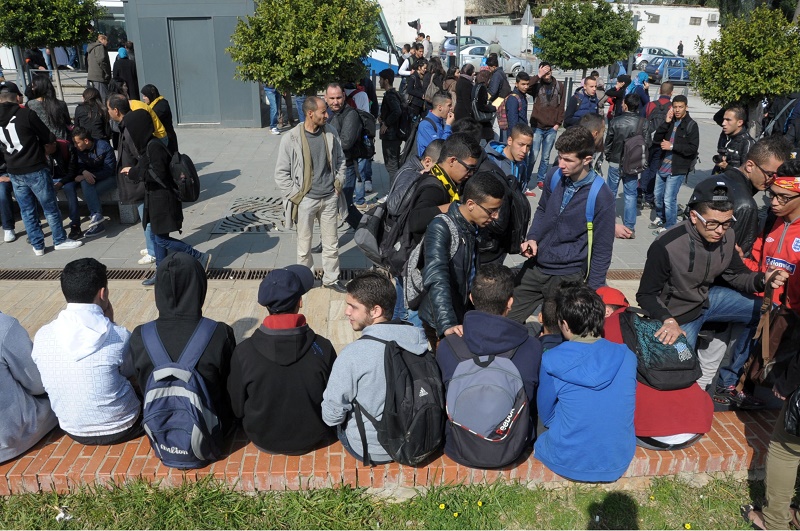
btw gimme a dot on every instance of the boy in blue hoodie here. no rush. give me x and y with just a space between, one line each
587 395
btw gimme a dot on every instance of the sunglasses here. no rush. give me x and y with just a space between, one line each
471 168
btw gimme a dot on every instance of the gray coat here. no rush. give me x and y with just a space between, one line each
98 64
25 415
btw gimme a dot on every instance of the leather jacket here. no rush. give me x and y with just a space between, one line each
621 129
745 208
735 148
447 280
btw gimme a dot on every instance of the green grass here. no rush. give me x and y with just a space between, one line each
666 504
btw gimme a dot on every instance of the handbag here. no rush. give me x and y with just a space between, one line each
479 115
431 91
791 419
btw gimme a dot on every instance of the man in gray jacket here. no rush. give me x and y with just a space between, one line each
358 372
98 66
310 173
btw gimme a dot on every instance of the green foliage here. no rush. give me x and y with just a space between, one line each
301 45
730 10
580 35
754 57
35 23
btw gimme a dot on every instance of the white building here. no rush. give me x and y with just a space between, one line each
665 26
430 13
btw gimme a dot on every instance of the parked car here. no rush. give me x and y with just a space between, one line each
449 45
510 64
646 54
673 69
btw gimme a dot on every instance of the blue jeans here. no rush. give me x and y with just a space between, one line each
148 234
274 106
400 310
666 192
543 140
89 195
6 211
353 215
364 175
298 103
647 178
165 242
728 306
30 188
629 185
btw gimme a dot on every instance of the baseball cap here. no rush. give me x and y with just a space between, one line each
612 297
282 289
8 86
704 192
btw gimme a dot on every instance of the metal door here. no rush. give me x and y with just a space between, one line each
194 68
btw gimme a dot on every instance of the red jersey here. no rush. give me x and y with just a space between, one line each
780 249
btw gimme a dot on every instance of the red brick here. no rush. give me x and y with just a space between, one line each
38 462
67 461
392 475
349 477
278 465
378 476
63 444
364 476
408 476
247 474
292 465
126 457
492 476
306 464
321 462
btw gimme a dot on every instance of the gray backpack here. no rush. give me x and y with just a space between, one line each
413 288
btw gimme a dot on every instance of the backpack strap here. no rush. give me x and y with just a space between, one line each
360 413
597 185
188 358
455 236
200 339
463 353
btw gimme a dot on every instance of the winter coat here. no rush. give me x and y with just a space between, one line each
91 119
463 107
621 129
125 72
98 63
687 141
548 103
162 109
162 208
579 105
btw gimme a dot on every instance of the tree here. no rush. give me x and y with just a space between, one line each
301 45
580 35
755 57
40 23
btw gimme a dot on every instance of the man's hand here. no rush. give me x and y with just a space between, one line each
450 118
666 145
622 232
58 185
669 332
543 71
457 330
670 115
383 129
89 176
529 248
5 179
724 164
79 178
778 278
777 394
739 250
555 127
125 170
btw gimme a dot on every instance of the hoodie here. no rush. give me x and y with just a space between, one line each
23 138
180 292
83 350
495 153
276 383
25 414
359 374
586 399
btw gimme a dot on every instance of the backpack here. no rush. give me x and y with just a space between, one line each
635 152
518 220
430 91
479 115
411 427
397 242
660 366
369 233
185 181
487 408
413 287
790 116
502 114
658 115
350 99
404 124
178 416
365 147
597 185
410 147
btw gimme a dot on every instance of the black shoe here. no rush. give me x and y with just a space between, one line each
336 286
149 281
317 248
75 232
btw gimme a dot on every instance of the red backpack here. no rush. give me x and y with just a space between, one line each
502 114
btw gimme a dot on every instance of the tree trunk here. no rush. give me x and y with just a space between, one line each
796 12
54 62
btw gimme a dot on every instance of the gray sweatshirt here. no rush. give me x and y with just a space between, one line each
358 374
24 417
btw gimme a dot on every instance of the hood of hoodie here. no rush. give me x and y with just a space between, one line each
7 111
593 368
405 335
81 329
492 334
284 338
91 46
181 287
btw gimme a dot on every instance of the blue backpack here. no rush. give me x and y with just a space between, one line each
597 185
178 416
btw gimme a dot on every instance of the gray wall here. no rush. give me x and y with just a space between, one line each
180 48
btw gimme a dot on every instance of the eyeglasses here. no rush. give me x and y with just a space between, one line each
769 176
471 168
781 198
714 224
491 212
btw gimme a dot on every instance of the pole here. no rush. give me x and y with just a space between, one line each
458 42
630 57
20 63
54 62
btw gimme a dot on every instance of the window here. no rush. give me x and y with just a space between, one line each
653 19
695 21
112 24
479 50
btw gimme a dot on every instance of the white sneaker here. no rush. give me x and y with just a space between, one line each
147 259
9 236
68 244
367 186
95 219
144 252
274 131
38 252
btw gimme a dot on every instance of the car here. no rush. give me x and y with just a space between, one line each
673 69
510 64
646 54
448 46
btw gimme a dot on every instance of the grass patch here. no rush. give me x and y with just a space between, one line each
209 504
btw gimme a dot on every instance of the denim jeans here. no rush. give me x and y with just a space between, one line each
400 310
298 103
666 196
353 215
728 306
274 106
648 176
89 195
148 234
164 243
629 185
30 188
6 210
543 140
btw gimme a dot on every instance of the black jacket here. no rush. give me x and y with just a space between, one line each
416 91
687 142
391 111
125 72
430 194
26 156
180 292
735 148
493 240
162 208
277 379
348 124
164 113
463 108
621 129
448 280
91 119
745 208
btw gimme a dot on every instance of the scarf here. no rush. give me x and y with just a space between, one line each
449 185
308 168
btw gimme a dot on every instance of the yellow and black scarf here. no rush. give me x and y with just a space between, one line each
449 185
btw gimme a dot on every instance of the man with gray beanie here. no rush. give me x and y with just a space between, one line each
279 373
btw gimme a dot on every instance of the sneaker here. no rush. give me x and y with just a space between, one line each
746 401
363 207
530 193
659 231
94 231
540 185
275 131
68 244
336 286
38 252
205 260
724 395
9 236
317 248
383 199
367 186
149 281
147 259
75 232
144 252
95 220
656 224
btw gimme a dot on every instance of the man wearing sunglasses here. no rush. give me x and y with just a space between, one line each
684 262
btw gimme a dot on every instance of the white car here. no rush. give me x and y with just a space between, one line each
510 64
646 54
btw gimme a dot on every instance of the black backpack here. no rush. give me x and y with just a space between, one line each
185 181
404 124
411 428
519 218
635 152
364 148
410 147
658 115
660 366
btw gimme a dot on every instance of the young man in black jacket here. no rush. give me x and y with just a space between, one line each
391 111
279 373
347 123
734 140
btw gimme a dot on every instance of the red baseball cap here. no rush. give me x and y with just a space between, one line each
612 297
